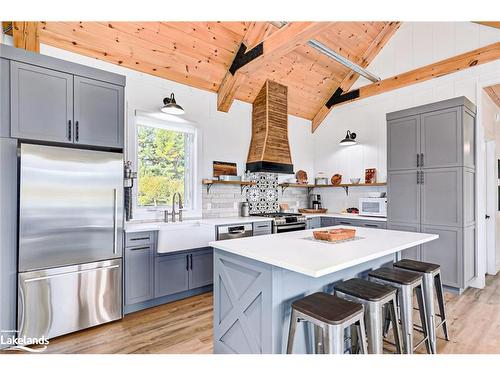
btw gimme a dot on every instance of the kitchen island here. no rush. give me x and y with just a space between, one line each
257 278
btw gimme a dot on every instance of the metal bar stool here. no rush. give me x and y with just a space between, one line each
331 316
431 274
374 297
406 284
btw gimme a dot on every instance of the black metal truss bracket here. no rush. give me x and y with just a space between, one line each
338 97
242 57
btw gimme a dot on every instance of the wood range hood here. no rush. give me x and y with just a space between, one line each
269 147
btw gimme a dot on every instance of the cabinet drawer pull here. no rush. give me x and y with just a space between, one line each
422 160
344 222
191 261
139 238
418 177
418 160
139 248
69 130
371 225
77 131
187 262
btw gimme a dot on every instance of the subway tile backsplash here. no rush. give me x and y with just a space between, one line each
224 200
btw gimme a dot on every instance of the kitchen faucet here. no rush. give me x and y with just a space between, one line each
179 213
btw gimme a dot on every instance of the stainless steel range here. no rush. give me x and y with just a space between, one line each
285 222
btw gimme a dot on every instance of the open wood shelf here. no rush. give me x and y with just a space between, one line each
310 187
242 184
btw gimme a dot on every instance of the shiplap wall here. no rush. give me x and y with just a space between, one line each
415 44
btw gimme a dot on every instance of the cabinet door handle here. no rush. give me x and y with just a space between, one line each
421 160
371 225
421 178
69 130
191 261
418 177
77 130
187 262
418 160
139 248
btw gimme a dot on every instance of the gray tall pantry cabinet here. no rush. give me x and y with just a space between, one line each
431 184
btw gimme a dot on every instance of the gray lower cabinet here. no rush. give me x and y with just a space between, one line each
179 272
328 221
201 270
413 253
262 228
98 113
171 274
314 222
41 103
139 273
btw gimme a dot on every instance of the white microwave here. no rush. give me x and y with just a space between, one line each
373 207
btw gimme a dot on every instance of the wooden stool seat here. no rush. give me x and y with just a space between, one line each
395 275
413 265
327 308
365 289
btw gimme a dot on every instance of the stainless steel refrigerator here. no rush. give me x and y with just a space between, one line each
70 239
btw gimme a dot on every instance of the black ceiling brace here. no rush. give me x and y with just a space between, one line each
242 58
338 97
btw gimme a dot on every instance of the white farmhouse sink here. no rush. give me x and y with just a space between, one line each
184 236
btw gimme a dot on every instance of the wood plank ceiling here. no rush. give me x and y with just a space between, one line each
199 54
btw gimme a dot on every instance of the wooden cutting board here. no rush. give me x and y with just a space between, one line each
313 211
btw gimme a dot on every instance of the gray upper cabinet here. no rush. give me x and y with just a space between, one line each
403 191
201 268
98 113
403 143
49 101
441 192
441 134
139 274
41 103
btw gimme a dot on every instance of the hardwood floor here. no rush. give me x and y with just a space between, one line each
186 327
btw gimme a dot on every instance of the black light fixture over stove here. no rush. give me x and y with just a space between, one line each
171 107
349 139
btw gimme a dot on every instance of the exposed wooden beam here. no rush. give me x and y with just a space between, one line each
375 47
25 35
494 24
441 68
279 43
494 93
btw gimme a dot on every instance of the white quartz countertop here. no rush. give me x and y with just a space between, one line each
144 227
347 216
295 251
149 226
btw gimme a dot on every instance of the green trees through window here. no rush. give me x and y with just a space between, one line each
161 156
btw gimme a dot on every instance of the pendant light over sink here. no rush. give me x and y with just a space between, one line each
349 139
171 107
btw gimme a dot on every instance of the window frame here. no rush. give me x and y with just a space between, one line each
168 122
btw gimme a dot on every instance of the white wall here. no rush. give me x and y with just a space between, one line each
225 136
491 125
415 44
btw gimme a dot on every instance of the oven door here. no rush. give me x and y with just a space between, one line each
289 227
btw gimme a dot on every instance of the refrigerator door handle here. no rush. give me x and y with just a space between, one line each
115 221
69 273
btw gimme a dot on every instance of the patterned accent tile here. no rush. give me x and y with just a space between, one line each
263 197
